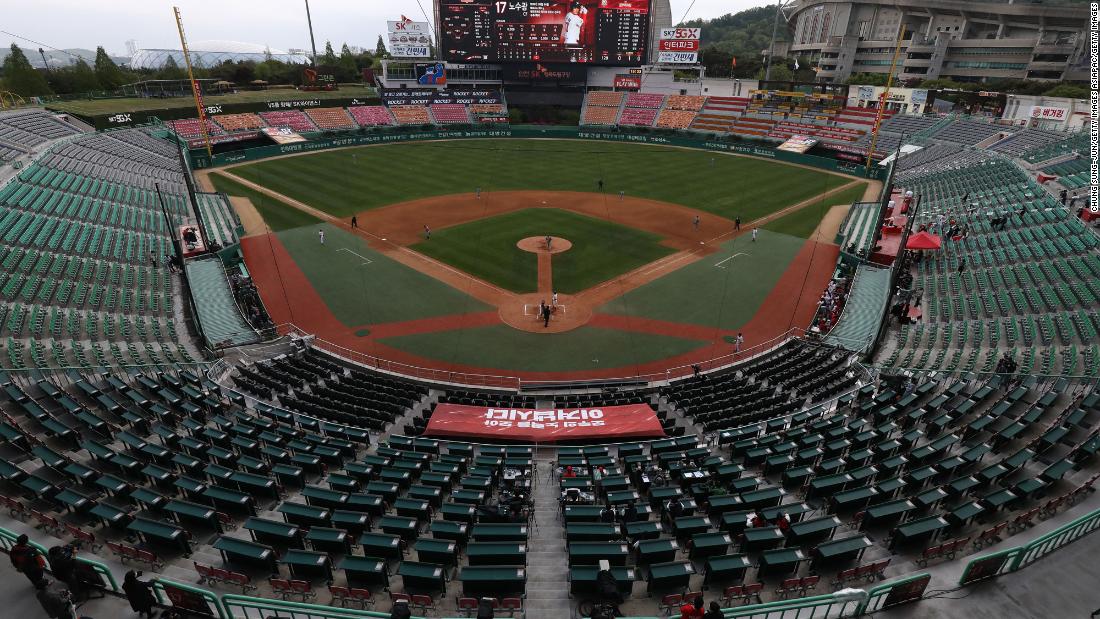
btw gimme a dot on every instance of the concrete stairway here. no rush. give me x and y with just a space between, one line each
547 555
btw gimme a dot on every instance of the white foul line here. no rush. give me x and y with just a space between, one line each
719 264
368 260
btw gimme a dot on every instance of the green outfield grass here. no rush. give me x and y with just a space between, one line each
361 286
722 290
487 249
804 221
277 214
347 181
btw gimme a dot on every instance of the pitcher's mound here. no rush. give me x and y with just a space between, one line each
537 244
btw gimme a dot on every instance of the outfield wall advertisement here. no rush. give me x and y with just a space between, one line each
634 421
200 160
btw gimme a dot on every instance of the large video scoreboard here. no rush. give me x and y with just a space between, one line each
610 32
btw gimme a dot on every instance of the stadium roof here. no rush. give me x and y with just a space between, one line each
210 53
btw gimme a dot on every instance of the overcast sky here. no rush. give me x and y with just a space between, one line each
279 24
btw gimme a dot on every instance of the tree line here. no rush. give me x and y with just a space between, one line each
104 75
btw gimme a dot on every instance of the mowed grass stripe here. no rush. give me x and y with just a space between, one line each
804 221
277 214
344 182
487 249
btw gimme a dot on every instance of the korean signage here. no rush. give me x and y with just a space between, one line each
678 46
677 57
1044 112
628 82
545 425
409 39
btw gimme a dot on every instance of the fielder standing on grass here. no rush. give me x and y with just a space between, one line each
321 235
754 231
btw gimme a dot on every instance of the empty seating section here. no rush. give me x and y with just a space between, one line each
28 128
233 123
1026 140
675 119
411 114
859 117
642 117
218 216
601 107
190 128
860 228
685 102
638 99
1024 279
598 115
1072 174
970 132
863 311
371 115
221 320
295 120
447 113
604 98
331 118
1076 143
83 274
855 479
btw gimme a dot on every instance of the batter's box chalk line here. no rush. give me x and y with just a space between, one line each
365 259
530 309
720 263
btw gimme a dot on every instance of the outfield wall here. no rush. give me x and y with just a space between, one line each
199 159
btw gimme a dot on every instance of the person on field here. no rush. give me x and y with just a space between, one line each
354 221
695 222
477 193
427 232
554 300
545 316
621 195
321 235
738 342
599 184
549 241
754 231
737 223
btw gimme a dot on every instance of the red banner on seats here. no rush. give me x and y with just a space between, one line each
607 423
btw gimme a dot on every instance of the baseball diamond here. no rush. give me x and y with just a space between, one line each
632 277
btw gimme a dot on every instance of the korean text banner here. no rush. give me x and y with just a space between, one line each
545 426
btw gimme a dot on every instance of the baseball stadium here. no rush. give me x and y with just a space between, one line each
537 314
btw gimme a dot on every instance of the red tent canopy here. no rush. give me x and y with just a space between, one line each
923 240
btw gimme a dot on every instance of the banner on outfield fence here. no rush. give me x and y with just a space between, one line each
545 425
798 144
282 135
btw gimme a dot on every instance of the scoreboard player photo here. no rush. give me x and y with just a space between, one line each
574 26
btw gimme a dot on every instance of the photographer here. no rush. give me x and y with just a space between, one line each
55 600
140 594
